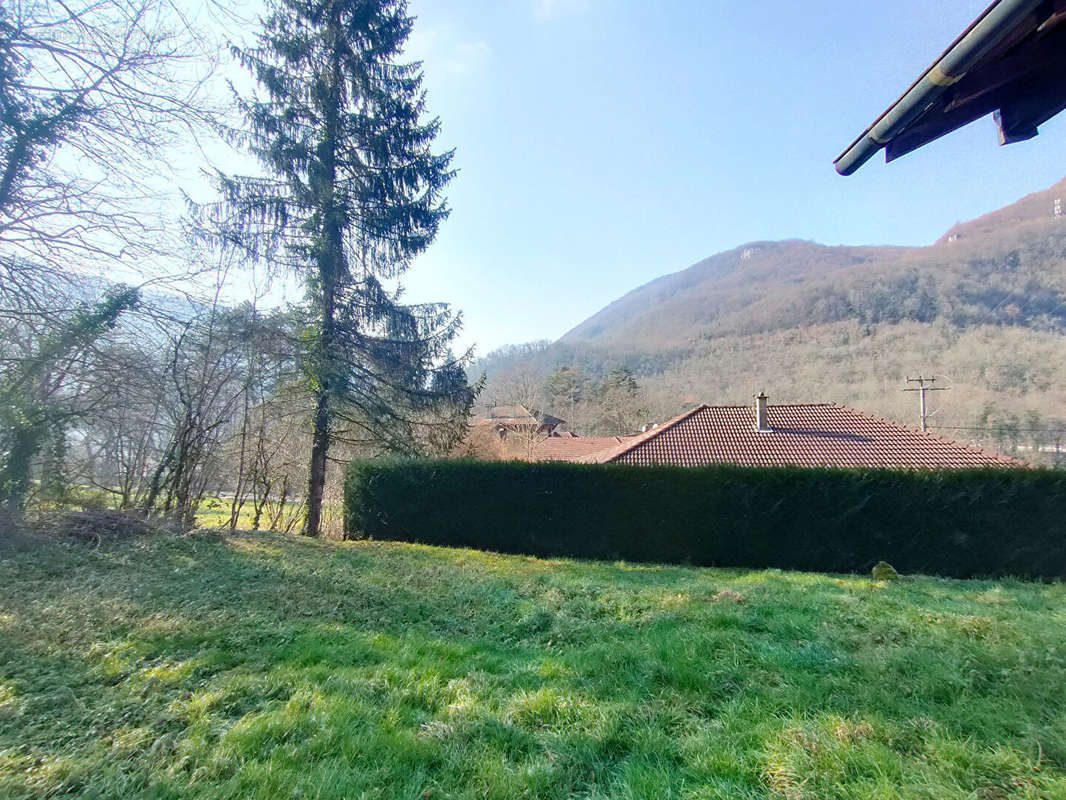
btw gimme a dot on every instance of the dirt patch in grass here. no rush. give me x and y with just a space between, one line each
729 596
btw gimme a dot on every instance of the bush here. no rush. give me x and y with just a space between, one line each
957 523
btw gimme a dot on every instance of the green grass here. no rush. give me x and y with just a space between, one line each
263 666
214 512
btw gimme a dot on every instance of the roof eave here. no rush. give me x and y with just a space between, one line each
984 33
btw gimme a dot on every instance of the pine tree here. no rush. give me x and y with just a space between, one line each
352 193
623 405
565 389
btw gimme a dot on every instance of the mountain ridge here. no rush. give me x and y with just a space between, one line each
985 304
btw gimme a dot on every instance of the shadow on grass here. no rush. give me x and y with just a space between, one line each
259 665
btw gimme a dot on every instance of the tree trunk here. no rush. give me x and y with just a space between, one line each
157 481
240 487
15 470
319 449
330 261
323 382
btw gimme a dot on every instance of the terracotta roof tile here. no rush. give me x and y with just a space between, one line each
573 448
812 435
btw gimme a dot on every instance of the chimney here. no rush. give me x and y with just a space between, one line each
762 418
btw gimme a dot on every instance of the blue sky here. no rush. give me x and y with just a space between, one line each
602 143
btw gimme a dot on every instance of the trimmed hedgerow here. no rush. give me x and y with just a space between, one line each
958 523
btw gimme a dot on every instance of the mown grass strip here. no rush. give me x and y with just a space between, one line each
271 666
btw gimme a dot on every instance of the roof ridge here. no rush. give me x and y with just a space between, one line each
775 405
919 452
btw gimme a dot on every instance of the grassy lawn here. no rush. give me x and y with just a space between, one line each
273 667
214 512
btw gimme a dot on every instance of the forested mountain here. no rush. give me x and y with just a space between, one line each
985 307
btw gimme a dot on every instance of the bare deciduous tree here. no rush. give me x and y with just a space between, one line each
92 92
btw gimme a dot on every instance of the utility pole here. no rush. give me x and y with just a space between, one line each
922 388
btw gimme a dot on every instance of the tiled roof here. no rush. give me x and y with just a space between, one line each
814 435
518 415
508 415
573 448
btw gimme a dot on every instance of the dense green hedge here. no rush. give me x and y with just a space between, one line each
960 523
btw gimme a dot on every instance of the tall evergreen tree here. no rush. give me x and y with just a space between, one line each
565 391
623 406
352 192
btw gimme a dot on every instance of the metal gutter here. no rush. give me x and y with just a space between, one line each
984 33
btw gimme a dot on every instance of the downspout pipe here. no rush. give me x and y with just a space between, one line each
986 32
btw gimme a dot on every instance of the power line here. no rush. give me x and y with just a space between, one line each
996 430
1011 294
994 309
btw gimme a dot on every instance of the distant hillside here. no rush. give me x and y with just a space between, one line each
718 292
985 306
1034 208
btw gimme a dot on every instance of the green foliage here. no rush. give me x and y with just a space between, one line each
621 406
34 394
610 405
264 666
565 388
953 523
354 192
55 488
34 121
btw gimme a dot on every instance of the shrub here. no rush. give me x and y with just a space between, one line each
957 523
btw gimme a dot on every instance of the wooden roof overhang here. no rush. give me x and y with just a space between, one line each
1010 62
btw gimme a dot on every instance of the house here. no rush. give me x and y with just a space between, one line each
814 435
519 419
1010 62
